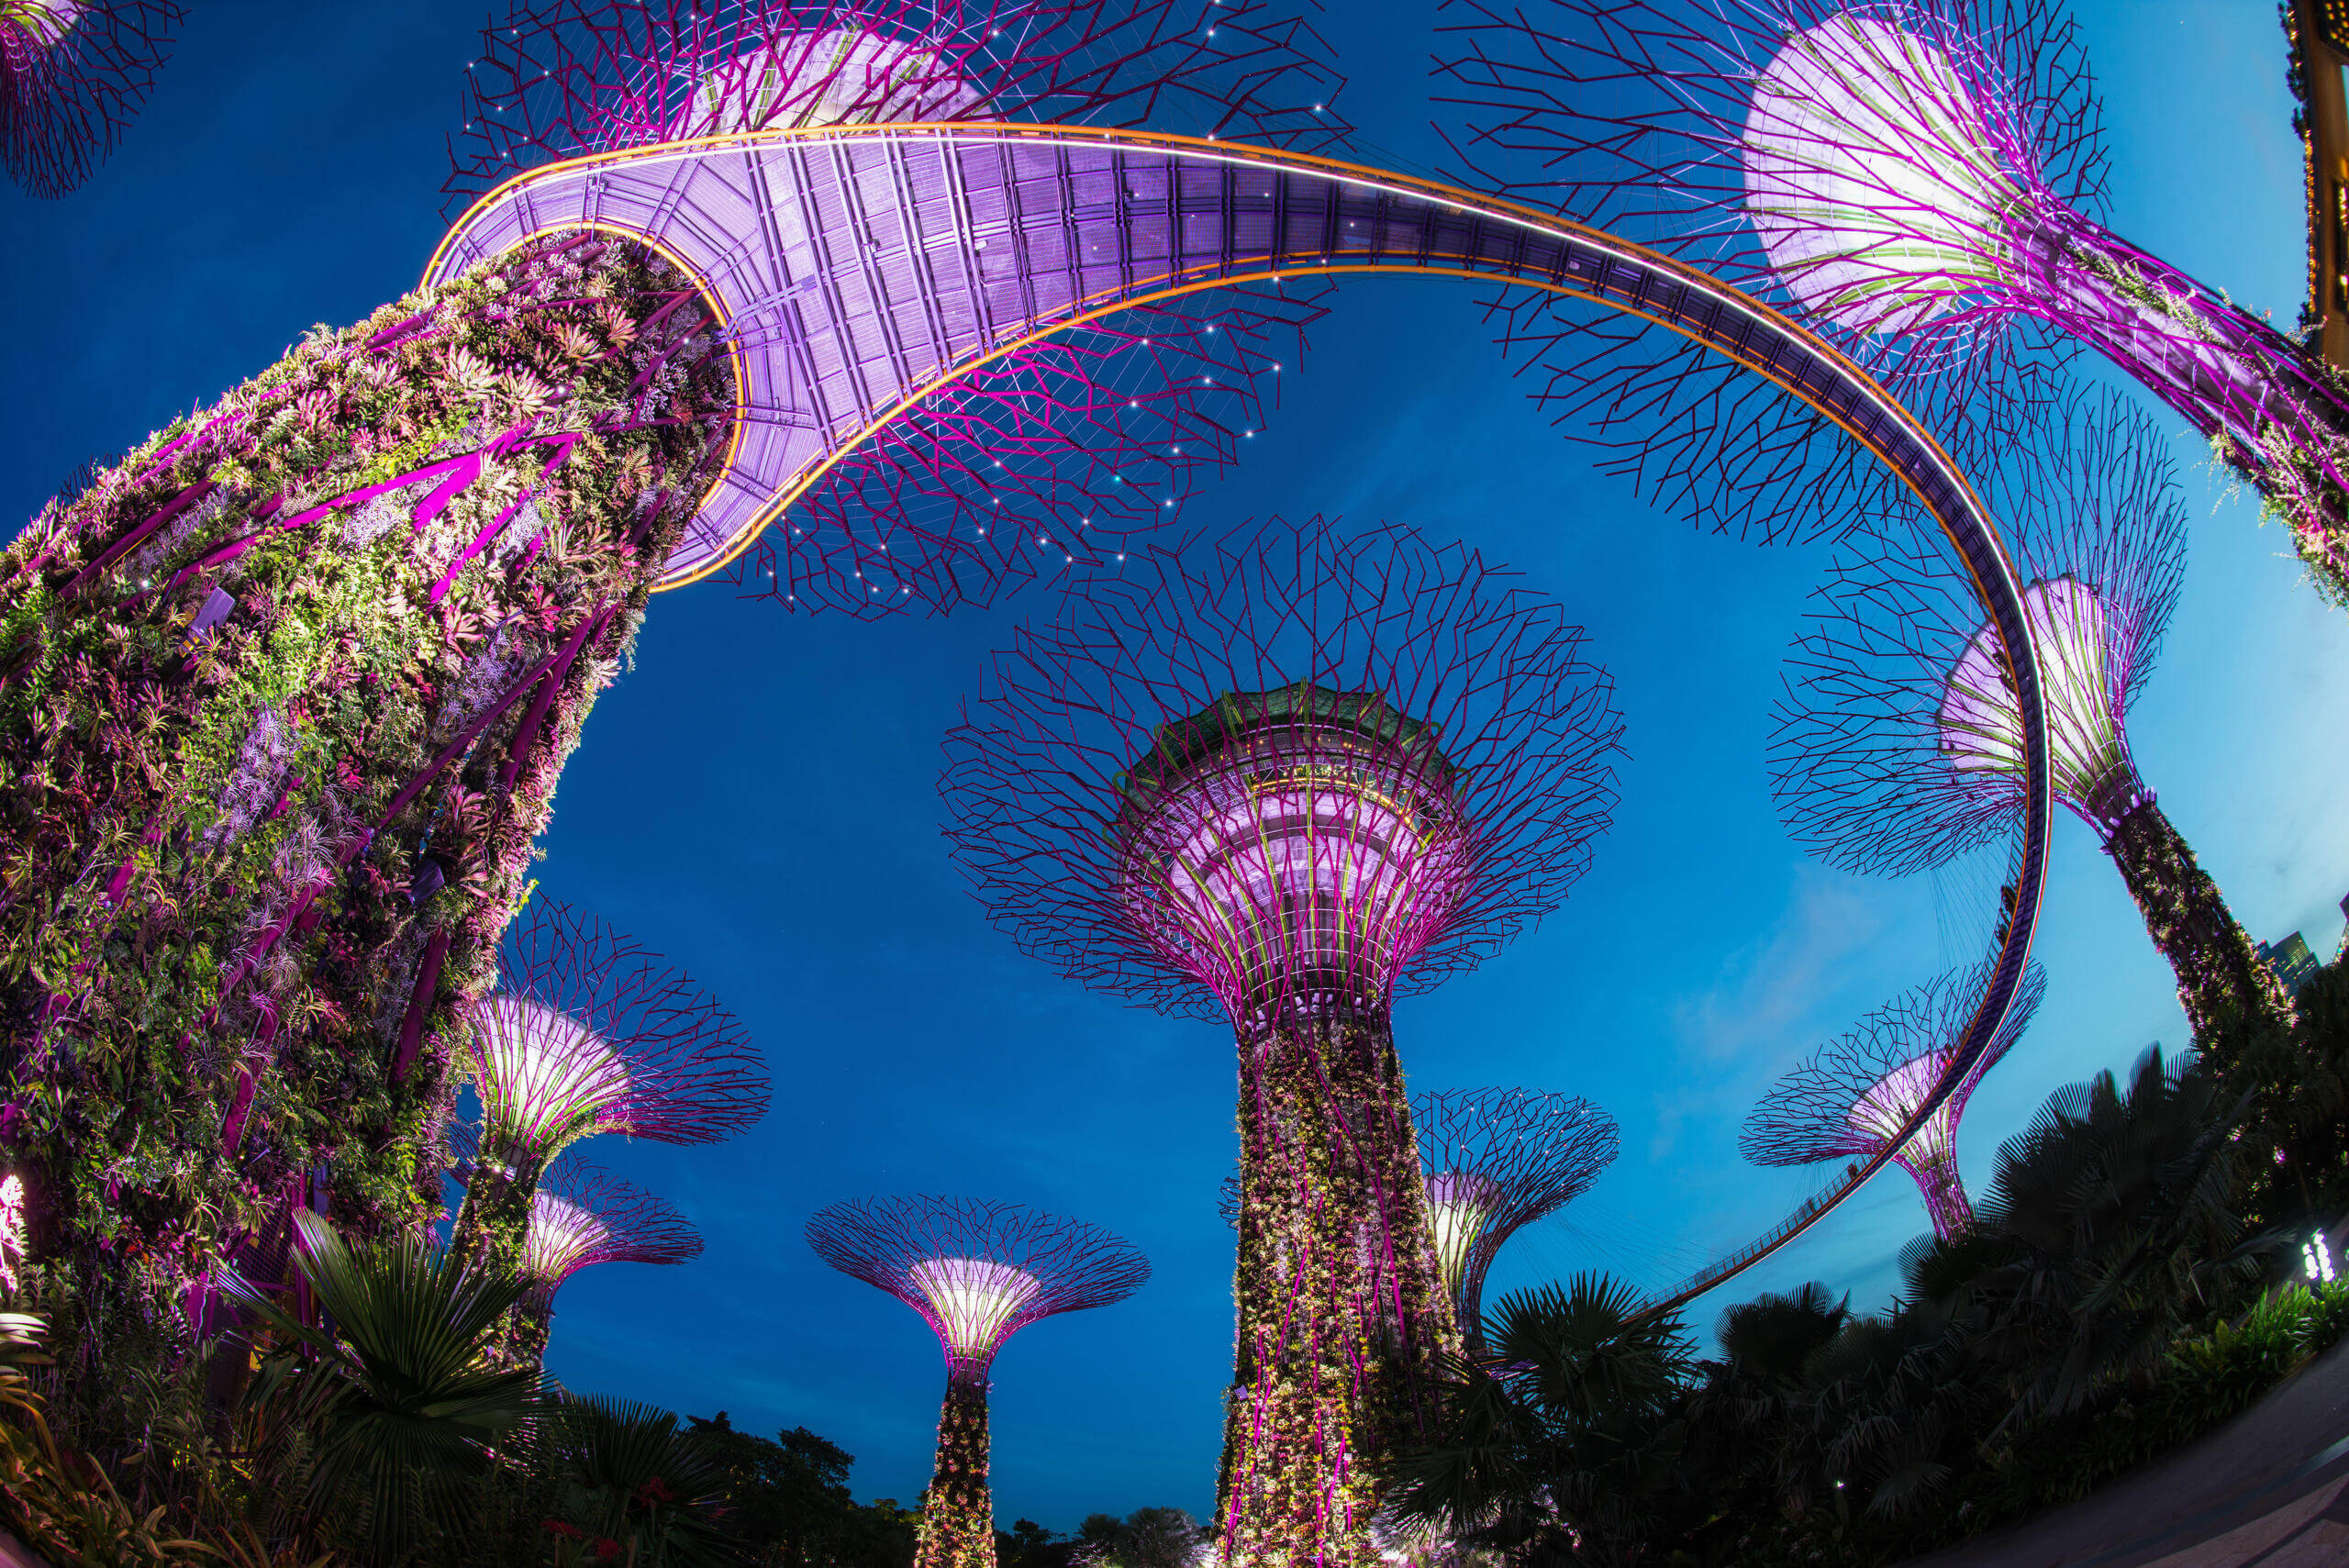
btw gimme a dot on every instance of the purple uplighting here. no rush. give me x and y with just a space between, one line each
1899 744
589 1033
1310 803
977 1271
1498 1159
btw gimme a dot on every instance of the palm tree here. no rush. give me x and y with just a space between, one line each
631 1478
2110 1221
1564 1444
399 1397
1750 1415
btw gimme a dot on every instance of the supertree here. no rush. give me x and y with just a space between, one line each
1285 776
1920 181
286 689
580 1215
1895 748
1851 1100
588 1032
73 73
1497 1160
978 1272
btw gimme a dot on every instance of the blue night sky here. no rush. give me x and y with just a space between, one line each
758 801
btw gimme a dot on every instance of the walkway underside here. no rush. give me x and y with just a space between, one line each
861 268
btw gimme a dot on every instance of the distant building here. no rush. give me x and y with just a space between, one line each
2291 960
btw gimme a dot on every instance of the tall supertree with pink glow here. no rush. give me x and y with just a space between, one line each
1032 462
1285 776
978 1272
1497 1160
1921 182
588 1032
73 73
1895 748
1851 1100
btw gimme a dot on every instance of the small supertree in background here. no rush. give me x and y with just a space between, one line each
978 1272
1920 181
72 72
1062 451
1285 776
1851 1100
581 1216
1497 1160
1899 740
588 1032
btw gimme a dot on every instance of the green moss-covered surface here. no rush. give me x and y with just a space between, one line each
247 872
1342 1305
2220 973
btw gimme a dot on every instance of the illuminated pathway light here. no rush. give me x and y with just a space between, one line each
1922 181
978 1272
590 1033
1497 1160
1851 1100
1335 768
1899 743
73 73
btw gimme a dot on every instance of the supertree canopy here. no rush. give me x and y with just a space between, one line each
1896 742
581 1216
978 1272
1497 1160
72 75
590 1033
1053 453
1286 776
1920 181
1851 1100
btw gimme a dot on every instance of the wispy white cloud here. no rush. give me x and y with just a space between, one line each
1766 998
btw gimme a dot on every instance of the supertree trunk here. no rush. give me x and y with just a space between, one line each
2275 412
283 701
493 1222
1945 1200
2219 972
1342 1305
528 1328
957 1516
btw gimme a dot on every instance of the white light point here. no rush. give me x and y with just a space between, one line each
973 1300
1870 179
